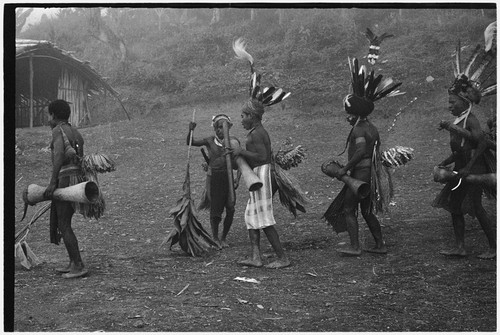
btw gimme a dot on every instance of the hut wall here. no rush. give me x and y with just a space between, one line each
40 117
73 89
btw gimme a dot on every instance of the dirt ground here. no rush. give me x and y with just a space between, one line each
136 284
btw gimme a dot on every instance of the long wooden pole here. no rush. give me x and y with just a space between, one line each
227 144
191 138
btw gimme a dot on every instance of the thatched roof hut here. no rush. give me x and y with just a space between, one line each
45 73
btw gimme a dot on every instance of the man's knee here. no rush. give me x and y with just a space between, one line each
64 226
230 210
65 213
349 210
215 218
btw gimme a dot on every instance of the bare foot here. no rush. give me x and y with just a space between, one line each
349 251
278 264
251 262
266 255
490 254
76 273
457 252
219 246
65 270
377 250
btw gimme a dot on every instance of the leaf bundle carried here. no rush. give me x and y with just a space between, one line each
188 231
98 163
91 165
397 156
287 159
291 195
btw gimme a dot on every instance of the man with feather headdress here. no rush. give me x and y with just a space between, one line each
258 154
471 154
364 162
259 211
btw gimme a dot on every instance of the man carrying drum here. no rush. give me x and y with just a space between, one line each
259 211
363 162
257 153
67 148
460 196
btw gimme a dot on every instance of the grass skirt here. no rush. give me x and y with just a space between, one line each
381 194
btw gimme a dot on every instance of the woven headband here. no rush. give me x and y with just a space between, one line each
221 117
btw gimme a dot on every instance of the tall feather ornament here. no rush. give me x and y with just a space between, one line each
490 36
239 49
375 41
490 90
471 60
485 62
267 95
456 67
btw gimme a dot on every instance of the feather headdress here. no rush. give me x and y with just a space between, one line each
375 41
477 78
490 37
366 89
266 95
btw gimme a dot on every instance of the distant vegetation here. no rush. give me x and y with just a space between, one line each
162 57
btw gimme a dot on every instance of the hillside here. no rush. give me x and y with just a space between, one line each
159 58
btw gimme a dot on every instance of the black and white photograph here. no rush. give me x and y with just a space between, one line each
250 167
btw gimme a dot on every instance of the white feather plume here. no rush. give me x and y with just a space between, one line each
490 35
239 48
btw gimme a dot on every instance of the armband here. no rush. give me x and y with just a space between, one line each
360 140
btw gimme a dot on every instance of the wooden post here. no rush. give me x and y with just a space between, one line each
229 165
32 75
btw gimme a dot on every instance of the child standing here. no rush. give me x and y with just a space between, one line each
217 172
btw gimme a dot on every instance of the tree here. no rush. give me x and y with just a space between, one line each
100 30
160 12
21 17
281 16
215 15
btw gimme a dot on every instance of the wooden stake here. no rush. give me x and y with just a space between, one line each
191 137
227 144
